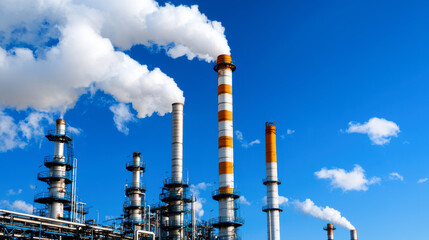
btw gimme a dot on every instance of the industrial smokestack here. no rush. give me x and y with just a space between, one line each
227 221
353 234
330 230
273 209
177 143
57 171
176 217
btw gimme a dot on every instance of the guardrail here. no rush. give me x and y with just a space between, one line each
227 220
266 208
265 181
47 197
131 165
55 174
176 181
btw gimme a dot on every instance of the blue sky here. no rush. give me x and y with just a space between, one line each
312 67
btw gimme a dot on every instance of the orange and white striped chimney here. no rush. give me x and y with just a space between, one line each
226 193
272 209
353 234
330 230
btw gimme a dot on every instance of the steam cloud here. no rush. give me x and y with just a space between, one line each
54 51
326 213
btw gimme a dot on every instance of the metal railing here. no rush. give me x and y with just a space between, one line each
266 208
175 195
131 164
265 181
234 192
45 195
173 224
131 188
57 159
227 220
176 181
42 212
131 204
47 175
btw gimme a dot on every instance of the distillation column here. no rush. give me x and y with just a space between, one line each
134 191
272 181
57 188
176 207
227 221
330 230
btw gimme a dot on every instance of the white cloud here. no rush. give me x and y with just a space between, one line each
239 135
198 204
323 213
282 200
18 135
290 131
74 47
254 142
122 115
422 180
12 192
31 126
73 130
396 176
244 201
347 181
17 205
244 143
379 130
9 138
32 186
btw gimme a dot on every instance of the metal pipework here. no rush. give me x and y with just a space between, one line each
136 197
273 209
353 234
57 188
176 218
330 230
224 68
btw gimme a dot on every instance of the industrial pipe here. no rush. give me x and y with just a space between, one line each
353 234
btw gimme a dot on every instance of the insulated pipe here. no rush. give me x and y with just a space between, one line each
330 230
177 143
353 234
176 218
272 182
135 198
57 188
224 68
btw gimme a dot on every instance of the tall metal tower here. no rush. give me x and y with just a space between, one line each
272 181
177 195
59 175
135 205
228 221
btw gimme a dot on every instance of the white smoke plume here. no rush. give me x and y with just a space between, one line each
54 51
323 213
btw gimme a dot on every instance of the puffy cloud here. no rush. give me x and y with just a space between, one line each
12 192
31 126
323 213
282 200
122 115
9 138
422 180
290 131
347 181
244 143
396 176
379 130
18 135
73 130
17 205
196 191
52 52
32 186
244 201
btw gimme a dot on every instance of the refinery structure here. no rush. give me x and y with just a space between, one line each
61 213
